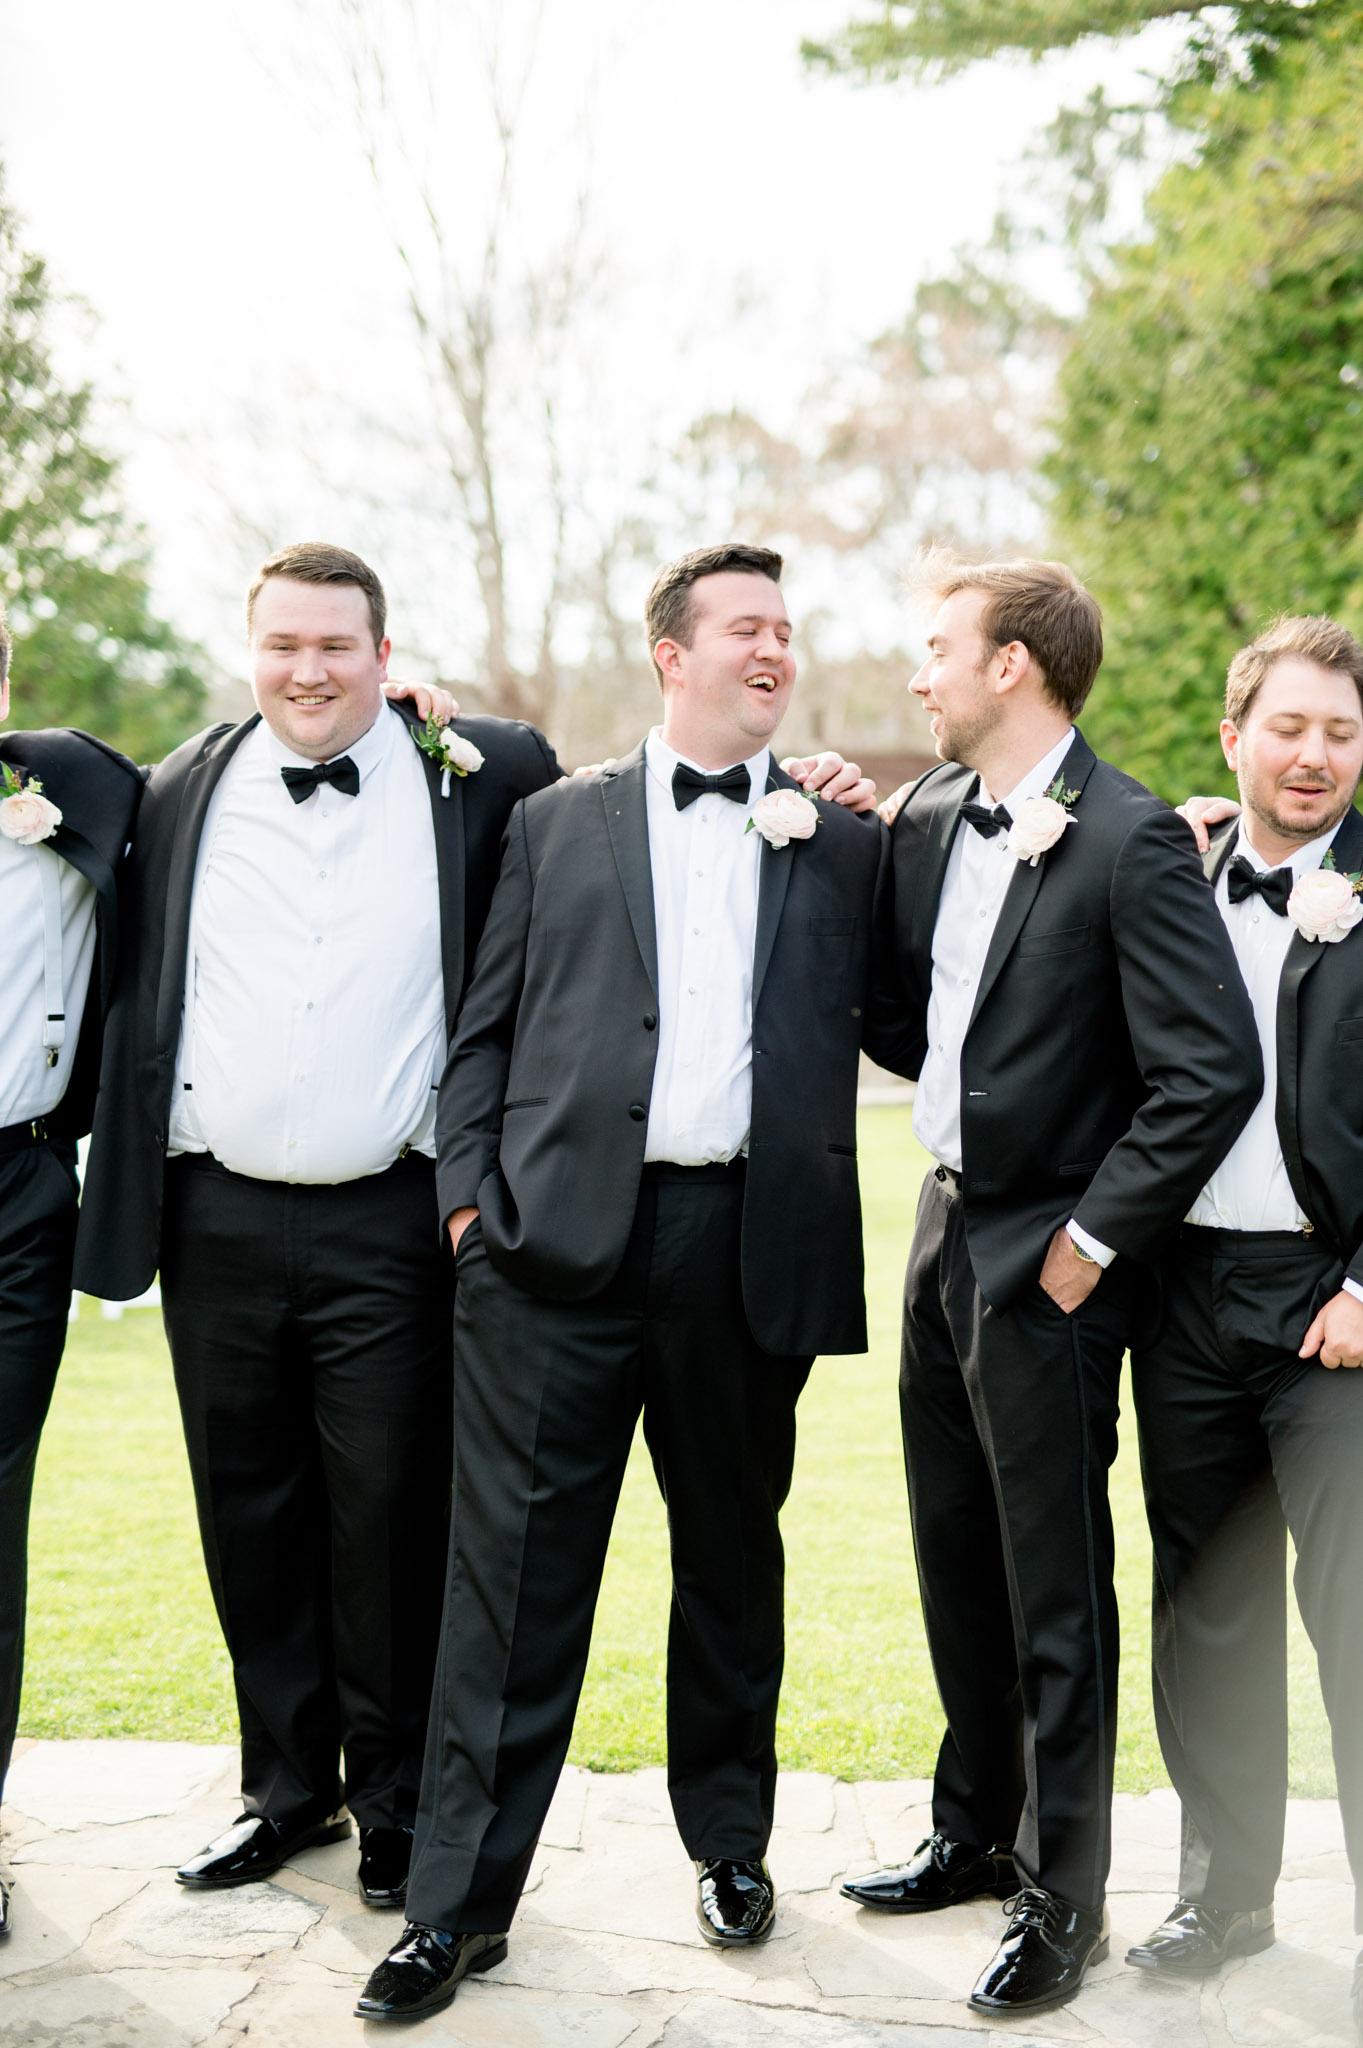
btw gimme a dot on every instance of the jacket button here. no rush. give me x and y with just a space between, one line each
638 1112
650 1022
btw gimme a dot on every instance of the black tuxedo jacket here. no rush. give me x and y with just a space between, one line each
543 1109
118 1244
97 793
1111 1057
1320 1064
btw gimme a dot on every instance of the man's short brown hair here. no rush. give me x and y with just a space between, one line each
1313 637
670 613
316 561
1041 604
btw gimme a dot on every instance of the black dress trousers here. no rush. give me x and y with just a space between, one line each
310 1332
1241 1439
546 1398
37 1237
1010 1426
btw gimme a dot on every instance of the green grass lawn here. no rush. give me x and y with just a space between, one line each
123 1641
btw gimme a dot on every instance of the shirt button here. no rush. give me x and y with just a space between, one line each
637 1112
690 991
309 1005
318 940
321 874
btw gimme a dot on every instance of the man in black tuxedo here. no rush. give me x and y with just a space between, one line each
1250 1400
647 1158
304 901
67 804
1084 1051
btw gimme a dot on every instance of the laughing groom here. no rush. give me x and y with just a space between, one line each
1085 1054
647 1159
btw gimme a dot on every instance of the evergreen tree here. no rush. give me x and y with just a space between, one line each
88 649
1207 469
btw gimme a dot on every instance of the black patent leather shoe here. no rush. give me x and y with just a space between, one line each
425 1970
735 1902
940 1873
253 1848
4 1908
1042 1958
385 1859
1195 1939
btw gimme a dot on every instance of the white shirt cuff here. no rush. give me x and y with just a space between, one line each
1103 1254
1352 1287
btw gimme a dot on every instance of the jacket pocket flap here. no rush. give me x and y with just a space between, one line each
1067 941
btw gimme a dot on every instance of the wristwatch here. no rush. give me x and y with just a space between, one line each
1080 1253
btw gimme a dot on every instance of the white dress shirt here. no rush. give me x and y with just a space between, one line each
1250 1189
977 875
706 866
313 1031
48 922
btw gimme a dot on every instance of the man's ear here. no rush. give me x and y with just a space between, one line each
1015 665
668 655
1230 745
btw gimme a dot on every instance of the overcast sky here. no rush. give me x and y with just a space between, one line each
195 173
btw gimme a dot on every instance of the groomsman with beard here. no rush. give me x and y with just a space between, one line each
647 1160
1084 1053
303 904
67 804
1250 1400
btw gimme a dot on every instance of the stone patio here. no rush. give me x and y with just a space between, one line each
108 1953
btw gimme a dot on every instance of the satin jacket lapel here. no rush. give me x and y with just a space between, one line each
1303 956
773 880
200 783
625 798
447 817
940 833
1222 846
1075 770
87 860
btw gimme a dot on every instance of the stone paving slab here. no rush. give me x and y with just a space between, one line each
107 1952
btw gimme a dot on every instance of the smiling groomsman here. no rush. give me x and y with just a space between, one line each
306 895
1084 1054
647 1144
1251 1400
67 804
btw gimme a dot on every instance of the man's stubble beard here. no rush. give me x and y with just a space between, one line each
1285 828
961 737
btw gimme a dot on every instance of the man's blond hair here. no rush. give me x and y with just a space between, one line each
1312 636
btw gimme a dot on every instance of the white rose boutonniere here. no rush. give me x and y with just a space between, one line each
26 815
451 752
1325 905
782 815
1039 822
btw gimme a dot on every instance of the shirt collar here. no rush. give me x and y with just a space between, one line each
1036 781
366 752
660 760
1304 861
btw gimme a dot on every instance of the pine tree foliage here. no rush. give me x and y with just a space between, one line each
88 649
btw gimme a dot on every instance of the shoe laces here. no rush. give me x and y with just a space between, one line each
1038 1909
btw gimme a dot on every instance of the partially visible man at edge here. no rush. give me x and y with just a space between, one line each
302 905
1250 1401
1084 1053
67 804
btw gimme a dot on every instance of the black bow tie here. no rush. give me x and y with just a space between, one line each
689 783
301 782
1273 884
986 823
